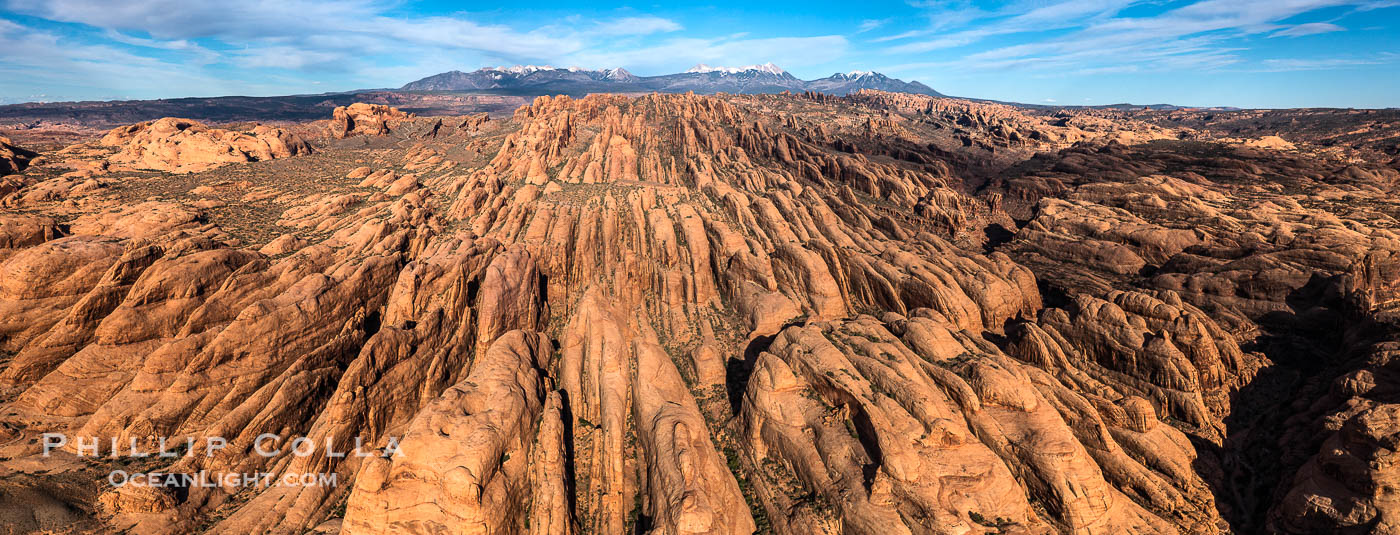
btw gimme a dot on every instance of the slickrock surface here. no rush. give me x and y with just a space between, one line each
675 314
185 146
362 118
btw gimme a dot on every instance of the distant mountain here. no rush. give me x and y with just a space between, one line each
766 78
519 76
843 83
702 78
766 68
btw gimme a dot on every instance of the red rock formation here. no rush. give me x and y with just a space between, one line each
185 146
13 159
690 314
462 465
1349 436
362 118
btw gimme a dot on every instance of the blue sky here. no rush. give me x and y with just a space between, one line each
1248 53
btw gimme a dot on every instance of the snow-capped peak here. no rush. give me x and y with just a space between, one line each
529 69
520 69
859 74
769 68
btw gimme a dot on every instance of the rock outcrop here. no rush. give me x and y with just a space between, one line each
463 465
1348 437
13 159
184 146
362 118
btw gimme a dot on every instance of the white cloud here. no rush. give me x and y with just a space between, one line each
637 26
171 47
38 60
348 28
675 54
1194 36
1311 28
1015 18
1314 64
283 57
899 36
358 41
953 40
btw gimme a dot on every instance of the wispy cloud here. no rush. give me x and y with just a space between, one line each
37 59
202 47
1094 37
899 36
1311 28
637 26
354 39
787 52
869 24
1314 64
1018 17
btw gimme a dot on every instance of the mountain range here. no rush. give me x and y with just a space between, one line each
704 79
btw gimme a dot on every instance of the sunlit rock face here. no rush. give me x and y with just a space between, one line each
678 314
